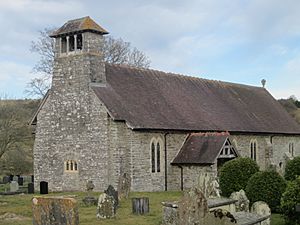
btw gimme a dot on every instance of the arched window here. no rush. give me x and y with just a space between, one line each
155 150
158 157
153 157
253 147
291 148
71 166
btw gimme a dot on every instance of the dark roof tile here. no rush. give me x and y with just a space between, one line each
149 99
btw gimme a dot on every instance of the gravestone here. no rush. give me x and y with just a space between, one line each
242 203
30 188
20 181
14 187
209 185
140 206
6 179
262 208
55 211
105 208
112 192
15 178
43 187
124 185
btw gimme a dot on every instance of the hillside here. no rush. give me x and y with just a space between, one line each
292 106
16 139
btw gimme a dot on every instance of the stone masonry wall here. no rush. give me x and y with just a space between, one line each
73 123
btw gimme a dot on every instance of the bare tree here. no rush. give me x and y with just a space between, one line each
115 51
12 130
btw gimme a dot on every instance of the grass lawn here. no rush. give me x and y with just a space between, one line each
21 205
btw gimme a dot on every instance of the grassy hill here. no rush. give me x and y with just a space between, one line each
16 139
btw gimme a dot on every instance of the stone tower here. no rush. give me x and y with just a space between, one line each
71 132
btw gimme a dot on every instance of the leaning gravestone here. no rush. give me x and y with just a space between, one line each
124 185
105 208
242 203
14 187
55 211
112 192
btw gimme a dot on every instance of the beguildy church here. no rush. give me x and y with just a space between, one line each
99 121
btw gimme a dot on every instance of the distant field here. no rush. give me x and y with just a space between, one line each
21 205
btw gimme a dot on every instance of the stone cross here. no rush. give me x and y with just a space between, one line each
55 210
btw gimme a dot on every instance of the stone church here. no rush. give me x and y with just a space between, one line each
99 121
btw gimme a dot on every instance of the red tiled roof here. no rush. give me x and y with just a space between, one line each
201 148
149 99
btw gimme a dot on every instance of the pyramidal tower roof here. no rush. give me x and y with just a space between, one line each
77 25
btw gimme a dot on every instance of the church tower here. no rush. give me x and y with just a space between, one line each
71 132
78 44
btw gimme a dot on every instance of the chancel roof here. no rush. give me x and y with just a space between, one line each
150 99
81 24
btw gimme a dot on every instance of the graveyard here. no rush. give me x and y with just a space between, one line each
20 205
17 207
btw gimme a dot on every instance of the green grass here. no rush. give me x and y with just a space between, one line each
21 205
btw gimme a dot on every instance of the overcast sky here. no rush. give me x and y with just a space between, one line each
238 41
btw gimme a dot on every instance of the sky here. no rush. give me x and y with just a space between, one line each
240 41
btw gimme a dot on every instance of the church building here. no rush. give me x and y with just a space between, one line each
99 121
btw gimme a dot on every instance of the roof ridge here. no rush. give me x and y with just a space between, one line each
183 75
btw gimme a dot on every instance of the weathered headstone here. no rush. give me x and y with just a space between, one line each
30 188
140 206
20 181
5 179
192 207
55 211
112 192
124 185
105 208
262 208
242 203
14 187
43 187
209 185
